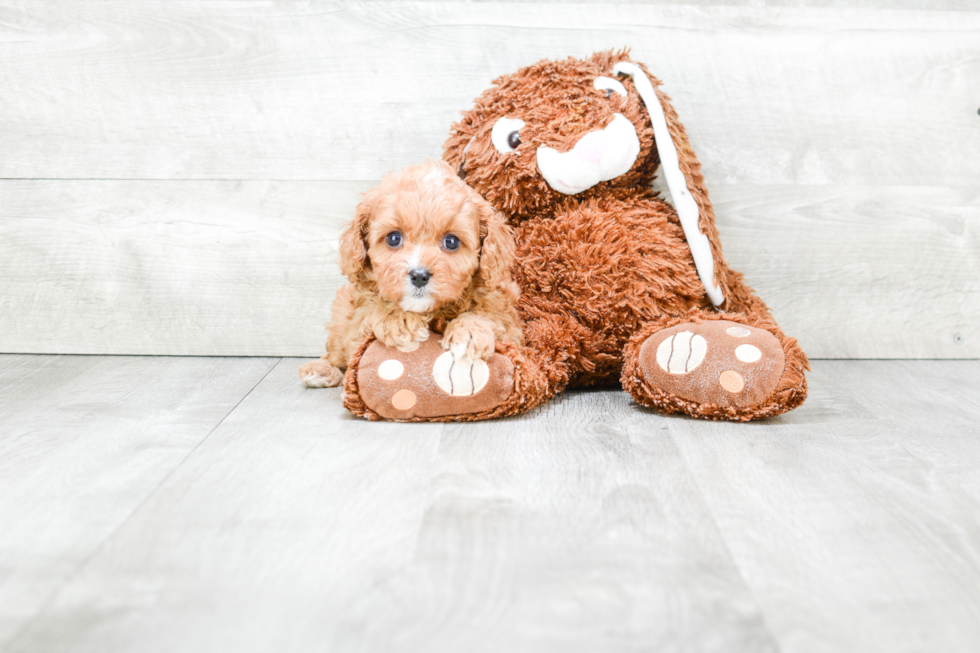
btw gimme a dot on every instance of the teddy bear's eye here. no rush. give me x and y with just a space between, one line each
608 85
394 239
450 242
506 134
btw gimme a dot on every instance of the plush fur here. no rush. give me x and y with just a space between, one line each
470 292
604 270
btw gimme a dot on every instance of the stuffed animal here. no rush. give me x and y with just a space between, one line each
617 285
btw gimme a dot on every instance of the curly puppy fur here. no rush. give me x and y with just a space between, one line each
469 295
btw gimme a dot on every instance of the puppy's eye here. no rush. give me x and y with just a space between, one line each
394 239
450 242
608 85
506 134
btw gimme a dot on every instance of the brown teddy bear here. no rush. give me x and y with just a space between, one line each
616 284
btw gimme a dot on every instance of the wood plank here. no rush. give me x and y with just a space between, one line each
881 272
934 5
855 518
212 268
83 442
801 115
345 91
296 527
249 268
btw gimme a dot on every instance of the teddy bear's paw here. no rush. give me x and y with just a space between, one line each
320 374
424 381
720 363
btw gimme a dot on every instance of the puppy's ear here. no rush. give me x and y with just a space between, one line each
497 247
354 262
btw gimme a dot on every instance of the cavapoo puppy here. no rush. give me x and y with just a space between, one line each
424 251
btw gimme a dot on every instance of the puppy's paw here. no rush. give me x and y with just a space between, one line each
320 374
470 337
402 329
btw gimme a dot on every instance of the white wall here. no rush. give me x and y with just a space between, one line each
173 175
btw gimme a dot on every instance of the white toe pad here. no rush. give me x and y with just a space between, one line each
462 377
681 353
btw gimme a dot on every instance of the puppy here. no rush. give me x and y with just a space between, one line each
425 251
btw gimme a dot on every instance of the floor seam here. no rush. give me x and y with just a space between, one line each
724 542
98 549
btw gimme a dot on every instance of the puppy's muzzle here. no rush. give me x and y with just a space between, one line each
419 277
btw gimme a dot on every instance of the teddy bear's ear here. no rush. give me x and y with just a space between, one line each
497 247
682 171
354 262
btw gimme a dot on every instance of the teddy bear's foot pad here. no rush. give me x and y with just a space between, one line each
715 362
423 380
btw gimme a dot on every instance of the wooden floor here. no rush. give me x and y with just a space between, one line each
214 504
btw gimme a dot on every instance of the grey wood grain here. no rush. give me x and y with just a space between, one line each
592 524
345 91
213 268
83 442
297 527
249 268
882 272
935 5
856 519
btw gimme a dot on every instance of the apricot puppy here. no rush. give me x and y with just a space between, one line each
424 252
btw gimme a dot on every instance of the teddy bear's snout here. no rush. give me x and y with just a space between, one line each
598 156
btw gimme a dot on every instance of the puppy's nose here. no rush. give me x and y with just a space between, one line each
419 277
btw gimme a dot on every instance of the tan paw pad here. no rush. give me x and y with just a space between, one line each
404 400
732 381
